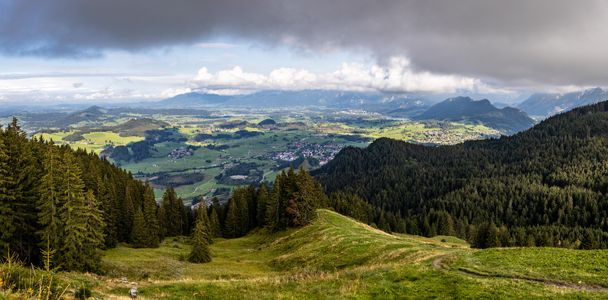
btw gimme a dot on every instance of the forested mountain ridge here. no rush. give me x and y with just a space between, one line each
508 120
544 186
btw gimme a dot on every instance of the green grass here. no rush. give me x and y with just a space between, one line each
94 141
337 257
551 264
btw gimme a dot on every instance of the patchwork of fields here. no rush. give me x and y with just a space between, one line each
211 153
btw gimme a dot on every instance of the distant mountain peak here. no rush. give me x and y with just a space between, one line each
508 120
547 104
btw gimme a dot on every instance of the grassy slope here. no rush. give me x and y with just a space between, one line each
336 257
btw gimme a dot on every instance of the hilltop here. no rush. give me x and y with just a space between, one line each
338 257
540 187
508 120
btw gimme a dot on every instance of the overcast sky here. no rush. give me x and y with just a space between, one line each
117 50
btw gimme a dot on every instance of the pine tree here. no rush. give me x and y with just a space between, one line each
589 240
109 204
172 214
276 206
242 211
200 247
262 205
201 215
7 214
50 201
231 222
214 223
139 234
23 178
445 224
150 214
486 236
127 211
94 227
72 251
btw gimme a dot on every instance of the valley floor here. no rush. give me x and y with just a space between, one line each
337 257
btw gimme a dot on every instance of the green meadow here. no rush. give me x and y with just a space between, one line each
337 257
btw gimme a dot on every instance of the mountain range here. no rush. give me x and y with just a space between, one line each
464 109
304 98
547 104
546 184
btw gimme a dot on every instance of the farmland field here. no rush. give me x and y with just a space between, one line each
230 148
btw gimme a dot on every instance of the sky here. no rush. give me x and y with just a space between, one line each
65 51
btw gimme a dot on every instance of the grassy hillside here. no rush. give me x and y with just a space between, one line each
337 257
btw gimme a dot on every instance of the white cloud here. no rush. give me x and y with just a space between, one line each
397 76
215 45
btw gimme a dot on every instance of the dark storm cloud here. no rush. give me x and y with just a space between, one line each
518 42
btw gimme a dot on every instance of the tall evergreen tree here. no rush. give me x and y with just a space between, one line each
215 227
24 173
50 202
200 246
231 222
150 214
7 214
262 204
72 252
172 214
139 234
486 236
201 215
94 228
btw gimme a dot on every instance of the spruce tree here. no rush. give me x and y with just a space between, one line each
231 222
139 234
200 246
215 227
150 214
275 207
94 227
242 211
127 212
589 241
172 214
262 205
72 251
201 215
22 189
50 202
7 214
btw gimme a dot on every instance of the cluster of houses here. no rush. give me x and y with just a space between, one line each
321 152
181 152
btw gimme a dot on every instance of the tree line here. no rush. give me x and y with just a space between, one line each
547 186
70 203
66 205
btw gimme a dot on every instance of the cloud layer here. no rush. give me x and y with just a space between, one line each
517 42
396 76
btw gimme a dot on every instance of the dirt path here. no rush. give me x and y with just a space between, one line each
438 265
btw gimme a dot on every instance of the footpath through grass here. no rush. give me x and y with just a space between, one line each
337 257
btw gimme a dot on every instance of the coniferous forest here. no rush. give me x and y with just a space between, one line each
543 187
65 205
547 186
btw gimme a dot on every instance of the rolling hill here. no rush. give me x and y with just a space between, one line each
338 257
464 109
544 186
